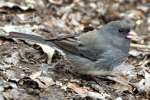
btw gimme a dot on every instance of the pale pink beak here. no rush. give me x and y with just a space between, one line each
133 36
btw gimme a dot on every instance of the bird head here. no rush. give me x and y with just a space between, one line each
122 29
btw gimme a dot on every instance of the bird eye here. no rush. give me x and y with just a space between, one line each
124 30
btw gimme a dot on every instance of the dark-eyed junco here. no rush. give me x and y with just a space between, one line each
96 52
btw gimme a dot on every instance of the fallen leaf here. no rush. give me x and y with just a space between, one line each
35 75
44 82
85 91
48 50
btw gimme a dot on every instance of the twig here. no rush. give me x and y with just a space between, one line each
140 46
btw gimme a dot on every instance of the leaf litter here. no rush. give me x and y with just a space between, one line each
57 18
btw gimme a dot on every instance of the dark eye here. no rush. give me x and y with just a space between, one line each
123 30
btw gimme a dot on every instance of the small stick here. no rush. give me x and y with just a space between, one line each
140 46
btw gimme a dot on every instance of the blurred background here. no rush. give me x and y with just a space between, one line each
75 15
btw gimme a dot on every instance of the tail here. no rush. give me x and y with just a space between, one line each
23 36
61 43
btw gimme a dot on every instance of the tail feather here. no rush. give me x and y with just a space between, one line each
29 37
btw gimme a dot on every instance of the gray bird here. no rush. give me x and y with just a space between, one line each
96 52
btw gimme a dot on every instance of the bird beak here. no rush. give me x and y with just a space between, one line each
133 36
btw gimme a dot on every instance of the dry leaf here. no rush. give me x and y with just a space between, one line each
85 91
35 75
48 50
44 82
13 5
58 2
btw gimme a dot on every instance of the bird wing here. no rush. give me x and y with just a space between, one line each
87 45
